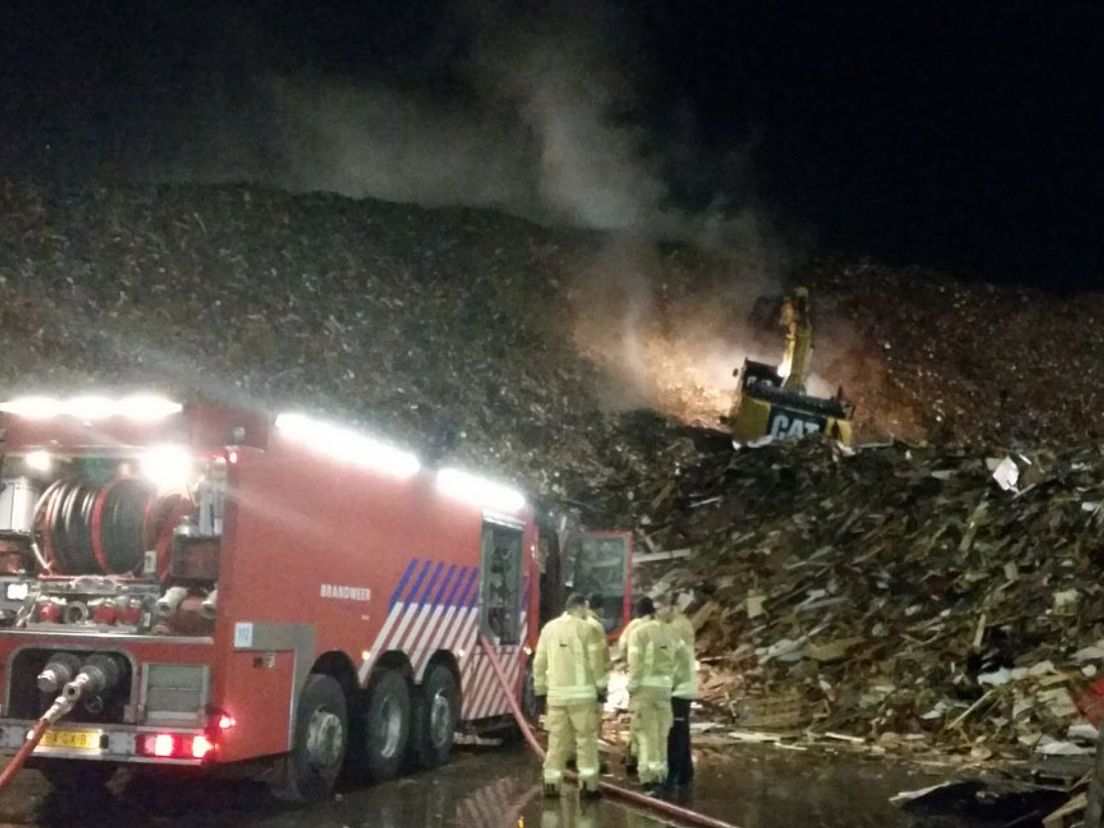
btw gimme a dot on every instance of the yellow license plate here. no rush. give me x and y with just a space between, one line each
74 739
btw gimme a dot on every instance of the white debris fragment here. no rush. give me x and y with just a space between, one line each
1055 747
1094 652
1005 472
1066 598
1082 732
996 678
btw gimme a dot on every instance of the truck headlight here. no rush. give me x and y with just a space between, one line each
16 591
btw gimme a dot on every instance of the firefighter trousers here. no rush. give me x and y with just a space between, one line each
651 712
599 709
633 751
680 762
571 726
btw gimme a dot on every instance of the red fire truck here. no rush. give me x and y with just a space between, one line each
273 597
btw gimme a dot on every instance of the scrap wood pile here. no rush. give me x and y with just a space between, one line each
951 360
894 595
460 328
899 594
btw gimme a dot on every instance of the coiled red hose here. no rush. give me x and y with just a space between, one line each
81 529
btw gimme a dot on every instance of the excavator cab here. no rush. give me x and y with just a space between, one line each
772 403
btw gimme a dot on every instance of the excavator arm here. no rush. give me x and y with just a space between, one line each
799 341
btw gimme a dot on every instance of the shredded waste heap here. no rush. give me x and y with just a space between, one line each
898 595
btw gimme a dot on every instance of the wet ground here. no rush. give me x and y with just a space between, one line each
494 789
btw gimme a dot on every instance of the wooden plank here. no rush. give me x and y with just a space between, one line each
666 555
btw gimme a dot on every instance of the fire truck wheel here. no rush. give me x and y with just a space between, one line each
321 733
74 776
434 715
387 725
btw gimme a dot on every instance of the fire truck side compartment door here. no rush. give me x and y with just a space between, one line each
500 583
258 697
268 666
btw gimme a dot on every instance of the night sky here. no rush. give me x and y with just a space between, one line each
958 135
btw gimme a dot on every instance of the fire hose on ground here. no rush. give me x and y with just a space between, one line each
683 815
65 671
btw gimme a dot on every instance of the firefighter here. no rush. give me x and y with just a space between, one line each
680 761
655 667
598 640
632 750
568 678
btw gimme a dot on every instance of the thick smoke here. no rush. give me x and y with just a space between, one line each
549 128
366 140
670 329
550 116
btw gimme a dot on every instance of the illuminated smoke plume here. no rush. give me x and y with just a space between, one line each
663 344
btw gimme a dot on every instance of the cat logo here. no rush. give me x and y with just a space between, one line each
786 424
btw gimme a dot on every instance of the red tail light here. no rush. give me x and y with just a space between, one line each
175 745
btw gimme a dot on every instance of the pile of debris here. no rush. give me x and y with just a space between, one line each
961 361
898 595
475 334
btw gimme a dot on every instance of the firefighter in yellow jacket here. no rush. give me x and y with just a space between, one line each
655 668
632 751
598 639
680 761
569 673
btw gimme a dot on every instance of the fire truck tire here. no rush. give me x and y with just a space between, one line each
433 718
321 734
387 725
68 776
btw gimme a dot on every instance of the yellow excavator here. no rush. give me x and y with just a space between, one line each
772 403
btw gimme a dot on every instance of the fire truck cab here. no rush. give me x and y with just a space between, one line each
275 597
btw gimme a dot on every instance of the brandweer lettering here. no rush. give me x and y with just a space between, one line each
348 593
